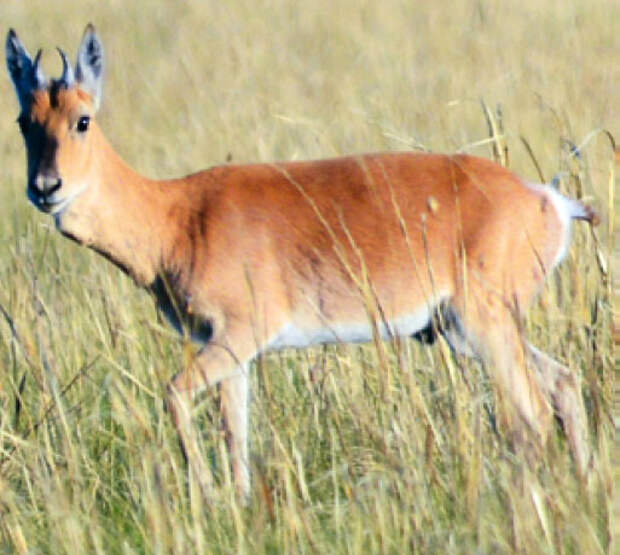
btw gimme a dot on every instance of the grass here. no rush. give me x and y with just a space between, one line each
351 451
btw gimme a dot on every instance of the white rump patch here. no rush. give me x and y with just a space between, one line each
567 209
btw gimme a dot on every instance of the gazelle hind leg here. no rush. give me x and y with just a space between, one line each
563 389
491 331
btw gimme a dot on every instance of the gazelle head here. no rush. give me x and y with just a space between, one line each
56 120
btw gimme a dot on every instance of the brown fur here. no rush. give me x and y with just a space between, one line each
244 253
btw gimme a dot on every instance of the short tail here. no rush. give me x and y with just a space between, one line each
568 208
581 211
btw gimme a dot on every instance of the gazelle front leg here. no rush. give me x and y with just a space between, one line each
234 396
216 364
180 405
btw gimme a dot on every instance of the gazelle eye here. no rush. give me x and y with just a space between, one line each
82 124
24 124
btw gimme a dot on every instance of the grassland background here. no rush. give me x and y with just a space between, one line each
364 458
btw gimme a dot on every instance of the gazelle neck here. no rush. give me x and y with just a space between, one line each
122 215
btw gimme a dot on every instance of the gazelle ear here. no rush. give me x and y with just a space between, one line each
89 67
26 75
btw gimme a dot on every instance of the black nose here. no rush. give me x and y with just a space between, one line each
46 185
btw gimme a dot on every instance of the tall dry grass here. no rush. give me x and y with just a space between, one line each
351 451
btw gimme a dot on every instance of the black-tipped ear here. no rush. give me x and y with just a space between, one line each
25 74
89 67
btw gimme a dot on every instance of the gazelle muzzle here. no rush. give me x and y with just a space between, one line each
41 191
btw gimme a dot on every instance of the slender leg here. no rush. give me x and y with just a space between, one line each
234 394
558 384
179 406
563 388
216 363
493 333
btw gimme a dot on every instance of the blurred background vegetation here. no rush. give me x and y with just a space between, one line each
344 458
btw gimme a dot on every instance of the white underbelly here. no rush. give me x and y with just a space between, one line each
296 336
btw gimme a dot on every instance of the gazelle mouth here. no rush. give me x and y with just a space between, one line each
52 204
49 205
56 207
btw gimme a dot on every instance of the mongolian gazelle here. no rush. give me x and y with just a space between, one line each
258 257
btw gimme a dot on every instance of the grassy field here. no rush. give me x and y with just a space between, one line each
387 452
